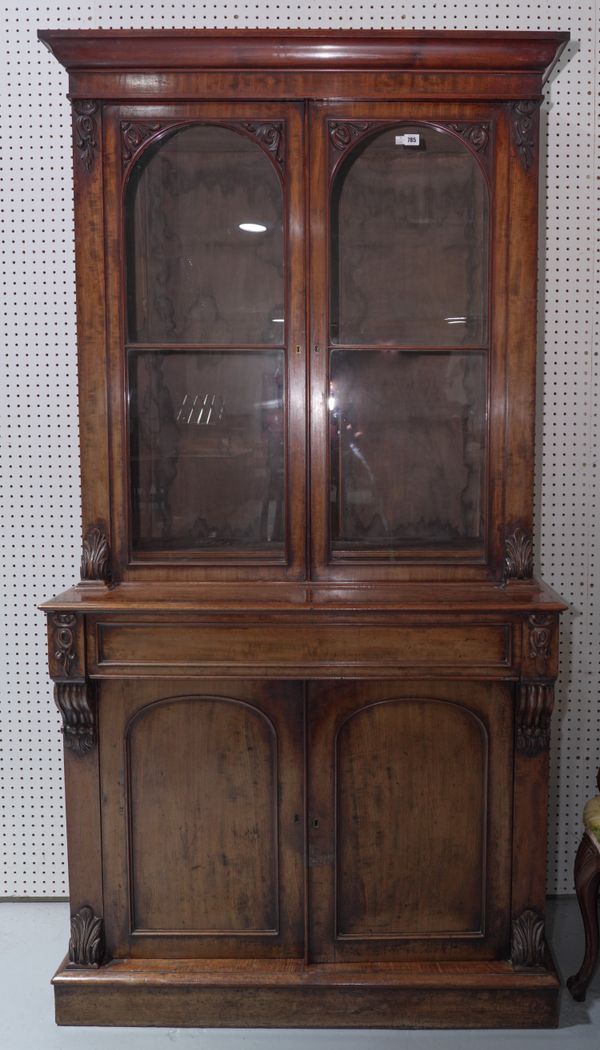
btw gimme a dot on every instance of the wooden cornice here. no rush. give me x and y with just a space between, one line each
299 49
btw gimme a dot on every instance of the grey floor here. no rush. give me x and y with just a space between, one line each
33 940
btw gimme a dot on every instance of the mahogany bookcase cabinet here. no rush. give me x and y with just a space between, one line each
307 676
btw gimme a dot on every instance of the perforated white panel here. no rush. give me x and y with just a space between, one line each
39 462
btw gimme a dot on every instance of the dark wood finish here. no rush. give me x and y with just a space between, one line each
409 845
316 649
202 817
291 995
302 49
307 785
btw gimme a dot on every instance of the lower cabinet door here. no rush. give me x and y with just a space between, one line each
202 818
410 817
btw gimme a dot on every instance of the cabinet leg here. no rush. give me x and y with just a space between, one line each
587 881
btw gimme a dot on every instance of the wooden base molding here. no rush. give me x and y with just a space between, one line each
288 994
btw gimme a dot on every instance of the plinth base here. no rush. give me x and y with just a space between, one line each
289 994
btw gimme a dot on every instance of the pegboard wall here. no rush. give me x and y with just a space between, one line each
39 507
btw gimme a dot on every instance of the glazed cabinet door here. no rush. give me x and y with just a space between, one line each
206 333
408 237
410 802
202 818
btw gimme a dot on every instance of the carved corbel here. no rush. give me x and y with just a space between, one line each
534 713
86 944
76 703
527 943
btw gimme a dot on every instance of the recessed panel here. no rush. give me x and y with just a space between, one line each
202 783
411 794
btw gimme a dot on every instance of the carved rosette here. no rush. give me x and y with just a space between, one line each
523 127
271 136
86 944
85 132
95 555
540 635
518 556
133 135
527 945
534 713
63 638
74 701
477 135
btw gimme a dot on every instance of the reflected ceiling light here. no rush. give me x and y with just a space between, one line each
278 320
456 320
253 227
331 403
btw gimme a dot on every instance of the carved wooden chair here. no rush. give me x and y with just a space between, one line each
587 882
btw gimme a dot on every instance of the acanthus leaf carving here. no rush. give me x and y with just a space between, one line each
518 556
95 555
75 702
133 134
64 640
271 135
86 131
478 135
534 713
524 129
86 944
527 944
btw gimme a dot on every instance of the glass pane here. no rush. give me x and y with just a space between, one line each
407 448
194 274
207 450
410 243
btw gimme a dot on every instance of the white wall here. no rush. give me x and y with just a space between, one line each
39 501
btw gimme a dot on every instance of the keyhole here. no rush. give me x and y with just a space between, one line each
315 823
